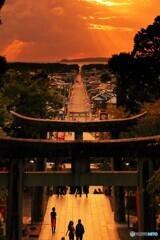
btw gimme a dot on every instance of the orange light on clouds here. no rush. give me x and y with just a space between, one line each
53 30
110 3
12 51
108 27
77 55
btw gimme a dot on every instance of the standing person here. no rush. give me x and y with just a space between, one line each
71 230
78 191
79 230
95 191
99 191
69 225
86 190
53 215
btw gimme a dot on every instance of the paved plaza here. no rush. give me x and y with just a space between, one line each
94 211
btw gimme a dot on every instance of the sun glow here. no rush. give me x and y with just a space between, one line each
108 27
13 50
109 3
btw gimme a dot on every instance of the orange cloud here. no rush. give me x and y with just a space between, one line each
110 3
58 11
12 51
77 55
52 30
108 27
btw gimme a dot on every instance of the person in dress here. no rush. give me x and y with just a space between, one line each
71 230
53 215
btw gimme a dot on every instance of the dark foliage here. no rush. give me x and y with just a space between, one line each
47 67
2 3
138 73
94 66
3 65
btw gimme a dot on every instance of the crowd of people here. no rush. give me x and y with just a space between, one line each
76 190
99 191
79 190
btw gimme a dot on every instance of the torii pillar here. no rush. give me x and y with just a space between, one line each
38 208
145 212
15 200
80 159
118 192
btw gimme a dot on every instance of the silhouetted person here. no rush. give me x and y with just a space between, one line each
86 190
78 191
95 191
53 215
71 230
61 190
100 191
70 222
79 230
72 190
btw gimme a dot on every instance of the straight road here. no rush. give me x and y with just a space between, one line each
79 103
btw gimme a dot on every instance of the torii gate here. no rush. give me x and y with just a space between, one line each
19 148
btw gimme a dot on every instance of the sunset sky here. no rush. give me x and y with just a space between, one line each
50 30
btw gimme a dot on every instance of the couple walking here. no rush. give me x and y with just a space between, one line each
78 231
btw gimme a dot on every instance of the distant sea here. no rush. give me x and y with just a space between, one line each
80 64
86 61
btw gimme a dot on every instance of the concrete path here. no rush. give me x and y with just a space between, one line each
94 211
79 99
79 102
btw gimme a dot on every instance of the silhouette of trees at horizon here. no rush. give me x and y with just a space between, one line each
138 72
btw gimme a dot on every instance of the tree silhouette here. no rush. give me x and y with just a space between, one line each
147 41
3 65
1 3
32 95
105 77
138 72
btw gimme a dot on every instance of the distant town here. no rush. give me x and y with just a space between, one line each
98 80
